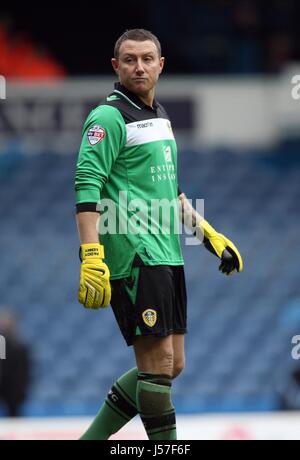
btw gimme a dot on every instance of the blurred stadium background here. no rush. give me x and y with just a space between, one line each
228 88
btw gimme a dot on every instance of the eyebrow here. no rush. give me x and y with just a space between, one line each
148 53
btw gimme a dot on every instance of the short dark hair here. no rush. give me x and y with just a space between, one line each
139 35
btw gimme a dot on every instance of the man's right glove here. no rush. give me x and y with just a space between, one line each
94 287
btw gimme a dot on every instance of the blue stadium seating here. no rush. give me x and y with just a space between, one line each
238 349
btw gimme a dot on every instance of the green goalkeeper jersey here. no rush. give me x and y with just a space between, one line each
127 170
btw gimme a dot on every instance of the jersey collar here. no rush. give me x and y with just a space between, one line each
133 98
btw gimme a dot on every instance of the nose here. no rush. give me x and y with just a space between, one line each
139 67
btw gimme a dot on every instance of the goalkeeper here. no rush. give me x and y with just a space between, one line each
128 147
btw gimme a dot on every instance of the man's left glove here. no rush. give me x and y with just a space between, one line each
94 287
222 247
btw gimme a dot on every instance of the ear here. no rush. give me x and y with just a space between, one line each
115 64
161 64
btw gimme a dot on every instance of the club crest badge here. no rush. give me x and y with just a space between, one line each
95 134
149 317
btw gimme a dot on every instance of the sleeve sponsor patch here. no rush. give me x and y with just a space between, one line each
95 134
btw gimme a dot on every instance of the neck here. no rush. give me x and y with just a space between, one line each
147 98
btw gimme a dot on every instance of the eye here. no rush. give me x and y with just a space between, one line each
128 59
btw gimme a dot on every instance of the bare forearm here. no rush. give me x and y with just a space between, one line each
190 217
87 227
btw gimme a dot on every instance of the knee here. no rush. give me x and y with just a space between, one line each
166 363
154 355
178 368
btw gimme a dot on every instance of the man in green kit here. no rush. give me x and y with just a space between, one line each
128 155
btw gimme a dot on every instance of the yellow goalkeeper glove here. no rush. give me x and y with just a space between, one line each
222 247
94 287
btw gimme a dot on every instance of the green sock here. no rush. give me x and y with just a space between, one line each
155 405
118 408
